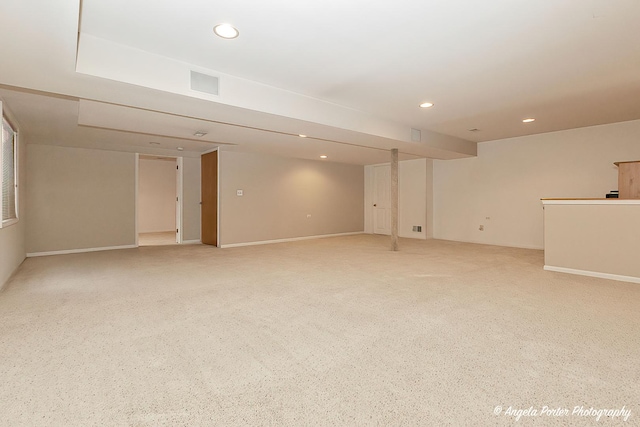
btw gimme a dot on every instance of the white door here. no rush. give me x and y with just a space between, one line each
382 199
179 165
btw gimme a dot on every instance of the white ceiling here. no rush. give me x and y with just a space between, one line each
350 74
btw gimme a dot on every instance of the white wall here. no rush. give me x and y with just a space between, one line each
156 195
414 188
79 198
13 237
509 177
430 207
280 192
412 198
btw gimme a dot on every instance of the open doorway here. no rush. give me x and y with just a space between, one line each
158 207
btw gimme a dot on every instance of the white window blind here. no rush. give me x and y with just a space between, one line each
8 171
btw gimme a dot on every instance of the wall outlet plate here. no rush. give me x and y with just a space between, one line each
239 193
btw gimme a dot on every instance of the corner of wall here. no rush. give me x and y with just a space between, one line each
501 188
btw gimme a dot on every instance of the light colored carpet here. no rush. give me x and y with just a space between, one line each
336 331
160 238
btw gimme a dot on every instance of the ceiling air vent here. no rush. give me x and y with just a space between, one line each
416 135
204 83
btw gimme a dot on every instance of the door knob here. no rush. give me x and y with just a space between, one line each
375 204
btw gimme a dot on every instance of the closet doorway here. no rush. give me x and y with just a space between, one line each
158 200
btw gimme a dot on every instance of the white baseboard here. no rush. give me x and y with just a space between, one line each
504 245
191 242
78 251
293 239
609 276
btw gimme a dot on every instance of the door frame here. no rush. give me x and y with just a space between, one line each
179 199
179 195
135 202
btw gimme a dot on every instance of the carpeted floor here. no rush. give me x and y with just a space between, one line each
337 331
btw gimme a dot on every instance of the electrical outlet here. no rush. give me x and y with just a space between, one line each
417 228
239 192
481 228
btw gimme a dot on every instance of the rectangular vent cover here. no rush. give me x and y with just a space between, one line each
204 83
416 135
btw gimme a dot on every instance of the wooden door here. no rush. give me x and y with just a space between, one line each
382 199
629 179
209 197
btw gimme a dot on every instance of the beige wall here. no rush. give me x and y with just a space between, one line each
414 195
156 195
602 238
509 177
191 199
12 238
79 198
280 192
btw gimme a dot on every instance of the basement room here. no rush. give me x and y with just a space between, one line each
315 213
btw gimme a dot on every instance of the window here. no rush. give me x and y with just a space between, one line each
8 179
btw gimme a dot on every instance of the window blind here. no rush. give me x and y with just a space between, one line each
8 171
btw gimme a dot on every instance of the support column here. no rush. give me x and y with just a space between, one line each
394 199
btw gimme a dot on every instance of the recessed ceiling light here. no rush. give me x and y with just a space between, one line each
529 120
301 135
226 31
323 157
179 148
200 133
426 105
